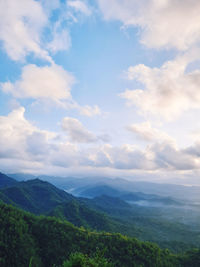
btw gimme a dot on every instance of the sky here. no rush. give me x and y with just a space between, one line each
101 88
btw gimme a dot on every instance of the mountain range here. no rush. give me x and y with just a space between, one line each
105 208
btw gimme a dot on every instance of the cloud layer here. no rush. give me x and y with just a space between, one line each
21 141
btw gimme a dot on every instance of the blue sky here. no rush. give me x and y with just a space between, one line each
101 87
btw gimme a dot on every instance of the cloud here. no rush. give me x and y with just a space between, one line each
28 27
168 91
21 26
31 148
21 139
79 6
65 155
129 157
146 132
48 82
163 23
77 132
89 111
169 157
61 40
193 150
47 85
49 6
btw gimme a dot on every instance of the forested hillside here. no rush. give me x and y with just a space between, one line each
102 213
47 241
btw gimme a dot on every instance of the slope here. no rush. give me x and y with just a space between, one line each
6 181
35 196
48 242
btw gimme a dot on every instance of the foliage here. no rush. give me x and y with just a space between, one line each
103 213
83 260
50 241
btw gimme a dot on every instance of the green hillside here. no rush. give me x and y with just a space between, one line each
35 196
47 241
103 213
81 215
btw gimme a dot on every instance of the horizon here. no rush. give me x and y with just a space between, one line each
91 88
103 179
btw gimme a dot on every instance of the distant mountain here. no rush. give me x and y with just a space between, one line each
112 206
98 191
6 181
131 197
76 185
148 199
22 176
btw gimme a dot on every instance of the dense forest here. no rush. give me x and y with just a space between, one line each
47 241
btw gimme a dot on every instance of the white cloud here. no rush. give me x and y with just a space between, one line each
21 26
61 40
27 27
146 132
47 85
129 157
168 91
89 111
49 6
21 139
77 132
48 82
79 6
30 148
163 23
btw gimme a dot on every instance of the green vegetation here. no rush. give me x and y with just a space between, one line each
26 239
82 260
146 223
81 215
35 196
103 213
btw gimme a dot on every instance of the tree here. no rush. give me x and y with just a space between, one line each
83 260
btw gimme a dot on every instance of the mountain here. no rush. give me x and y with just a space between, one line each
41 197
131 197
108 203
95 191
104 213
81 215
76 185
149 199
6 181
22 176
148 223
35 196
28 240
